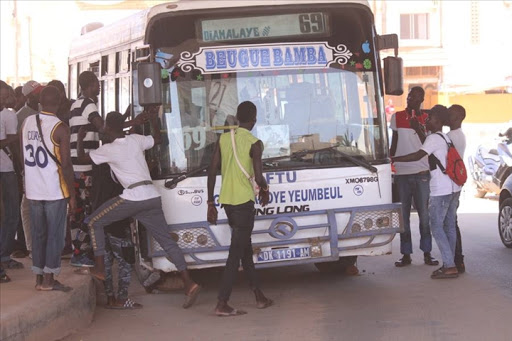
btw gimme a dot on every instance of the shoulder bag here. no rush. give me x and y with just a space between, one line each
254 185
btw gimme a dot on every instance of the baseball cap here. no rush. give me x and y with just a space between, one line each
31 87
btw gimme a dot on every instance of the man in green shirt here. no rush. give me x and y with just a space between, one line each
237 199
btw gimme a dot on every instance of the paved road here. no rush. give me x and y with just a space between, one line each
383 303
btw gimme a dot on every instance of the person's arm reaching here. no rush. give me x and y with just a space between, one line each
61 135
155 125
256 154
212 178
410 157
83 158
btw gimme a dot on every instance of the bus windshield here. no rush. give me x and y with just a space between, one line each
307 117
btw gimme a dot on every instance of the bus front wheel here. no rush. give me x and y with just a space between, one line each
345 265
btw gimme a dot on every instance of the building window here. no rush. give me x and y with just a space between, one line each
414 26
475 23
423 71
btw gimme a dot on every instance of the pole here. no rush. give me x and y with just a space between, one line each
16 43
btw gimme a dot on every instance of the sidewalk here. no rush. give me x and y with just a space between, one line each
27 314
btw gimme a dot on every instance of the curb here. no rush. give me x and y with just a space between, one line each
46 315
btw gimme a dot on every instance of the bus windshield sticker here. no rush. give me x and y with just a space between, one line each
261 57
270 26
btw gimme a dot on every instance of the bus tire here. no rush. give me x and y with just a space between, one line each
345 265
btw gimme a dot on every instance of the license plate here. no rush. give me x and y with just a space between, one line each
284 254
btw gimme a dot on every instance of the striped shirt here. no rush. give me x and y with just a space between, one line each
82 112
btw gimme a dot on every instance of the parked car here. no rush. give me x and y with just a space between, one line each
505 215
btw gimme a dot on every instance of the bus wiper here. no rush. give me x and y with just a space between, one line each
298 155
171 184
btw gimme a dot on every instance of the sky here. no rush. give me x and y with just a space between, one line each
51 26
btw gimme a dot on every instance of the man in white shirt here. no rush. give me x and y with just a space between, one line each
412 178
457 115
8 180
140 198
443 200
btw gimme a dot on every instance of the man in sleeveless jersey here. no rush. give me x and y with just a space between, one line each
444 193
48 184
412 178
140 198
237 199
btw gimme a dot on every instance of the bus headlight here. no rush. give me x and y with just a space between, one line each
356 228
202 239
382 222
188 237
368 223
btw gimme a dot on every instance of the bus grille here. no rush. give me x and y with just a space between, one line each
189 238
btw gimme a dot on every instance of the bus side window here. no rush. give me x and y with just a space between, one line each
73 81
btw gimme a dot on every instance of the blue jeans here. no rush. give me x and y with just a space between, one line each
442 211
48 227
415 186
10 214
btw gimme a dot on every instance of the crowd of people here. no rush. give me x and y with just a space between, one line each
66 193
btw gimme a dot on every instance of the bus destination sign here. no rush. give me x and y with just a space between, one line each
270 26
277 56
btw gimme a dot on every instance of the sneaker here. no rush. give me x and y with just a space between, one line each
81 260
405 260
429 260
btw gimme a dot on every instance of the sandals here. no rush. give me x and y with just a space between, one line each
264 304
443 272
4 278
57 286
191 297
128 304
234 312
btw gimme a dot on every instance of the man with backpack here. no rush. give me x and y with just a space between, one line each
445 173
457 115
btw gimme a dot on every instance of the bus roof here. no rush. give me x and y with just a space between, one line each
133 28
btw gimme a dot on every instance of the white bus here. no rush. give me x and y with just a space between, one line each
313 70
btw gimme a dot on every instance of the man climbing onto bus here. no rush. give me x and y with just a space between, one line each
84 113
444 192
140 198
412 178
237 199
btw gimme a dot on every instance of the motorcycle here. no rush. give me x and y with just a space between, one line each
489 167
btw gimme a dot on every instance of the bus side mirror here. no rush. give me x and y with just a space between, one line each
149 83
393 76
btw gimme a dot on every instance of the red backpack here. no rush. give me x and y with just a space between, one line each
455 167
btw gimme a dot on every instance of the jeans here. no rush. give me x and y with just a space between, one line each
415 186
148 212
241 221
10 214
48 224
459 257
442 212
25 220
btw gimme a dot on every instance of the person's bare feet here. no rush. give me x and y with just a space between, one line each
223 309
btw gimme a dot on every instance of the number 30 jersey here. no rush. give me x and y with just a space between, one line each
43 177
